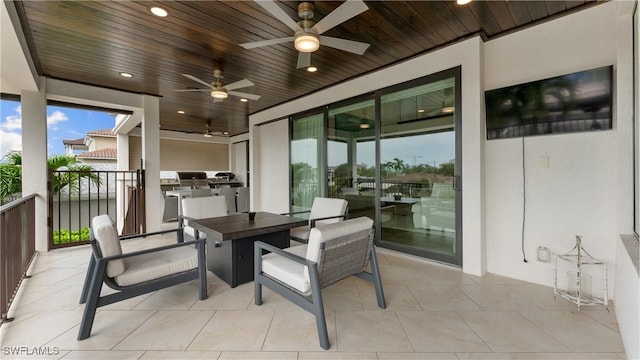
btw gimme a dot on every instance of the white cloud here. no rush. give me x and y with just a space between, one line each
12 122
9 141
56 117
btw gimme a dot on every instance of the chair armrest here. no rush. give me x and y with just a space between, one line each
296 212
135 236
200 242
281 252
312 222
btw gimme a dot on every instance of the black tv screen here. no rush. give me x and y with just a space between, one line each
580 101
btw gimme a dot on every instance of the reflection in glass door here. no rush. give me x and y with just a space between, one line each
307 165
418 170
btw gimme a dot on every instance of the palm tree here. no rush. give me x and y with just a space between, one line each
11 173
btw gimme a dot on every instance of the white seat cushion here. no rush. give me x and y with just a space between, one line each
287 271
105 233
158 264
300 232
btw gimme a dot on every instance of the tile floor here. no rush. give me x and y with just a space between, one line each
433 312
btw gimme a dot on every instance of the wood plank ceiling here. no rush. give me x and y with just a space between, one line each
90 42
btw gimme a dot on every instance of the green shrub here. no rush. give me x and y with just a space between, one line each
65 236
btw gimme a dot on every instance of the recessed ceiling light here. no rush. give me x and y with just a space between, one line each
462 2
126 74
158 11
420 110
226 133
312 69
244 100
364 126
180 111
448 109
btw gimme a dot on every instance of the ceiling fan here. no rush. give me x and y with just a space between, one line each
308 33
219 91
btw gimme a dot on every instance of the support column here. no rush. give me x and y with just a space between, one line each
34 158
122 165
151 160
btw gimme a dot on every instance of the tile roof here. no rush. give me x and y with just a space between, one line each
108 153
102 132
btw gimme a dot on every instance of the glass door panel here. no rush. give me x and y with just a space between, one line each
307 165
351 156
417 168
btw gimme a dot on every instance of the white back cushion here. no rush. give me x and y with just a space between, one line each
204 207
105 233
324 207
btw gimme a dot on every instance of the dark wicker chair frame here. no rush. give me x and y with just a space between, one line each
97 275
339 258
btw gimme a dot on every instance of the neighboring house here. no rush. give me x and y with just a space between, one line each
100 149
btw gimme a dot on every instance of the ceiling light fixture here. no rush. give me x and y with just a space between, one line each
364 125
306 42
448 109
462 2
158 11
244 100
312 69
125 74
207 135
420 110
225 133
219 94
180 111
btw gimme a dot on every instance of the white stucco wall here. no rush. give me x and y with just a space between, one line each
577 194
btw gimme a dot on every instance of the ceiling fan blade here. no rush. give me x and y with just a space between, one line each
193 90
245 95
255 44
342 13
277 12
197 80
351 46
239 84
304 60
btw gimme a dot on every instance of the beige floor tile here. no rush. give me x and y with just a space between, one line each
180 297
397 297
417 356
223 297
297 331
442 297
341 297
272 301
109 328
30 353
439 331
401 275
166 330
40 328
180 355
537 356
330 355
577 331
497 297
607 318
543 297
115 355
438 274
230 330
493 279
238 355
365 331
509 331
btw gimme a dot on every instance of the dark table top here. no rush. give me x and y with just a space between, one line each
238 226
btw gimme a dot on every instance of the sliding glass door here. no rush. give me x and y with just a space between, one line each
394 155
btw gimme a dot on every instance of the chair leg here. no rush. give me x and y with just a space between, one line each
92 301
202 270
87 279
257 270
318 307
377 281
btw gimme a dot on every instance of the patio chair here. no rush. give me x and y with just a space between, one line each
334 252
201 192
323 211
138 272
229 194
200 208
243 200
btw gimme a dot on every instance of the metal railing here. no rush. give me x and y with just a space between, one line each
77 196
17 248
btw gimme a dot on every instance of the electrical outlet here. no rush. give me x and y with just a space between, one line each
543 254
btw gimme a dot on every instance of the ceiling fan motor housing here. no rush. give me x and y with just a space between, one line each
305 10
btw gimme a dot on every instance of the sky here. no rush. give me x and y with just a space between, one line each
62 123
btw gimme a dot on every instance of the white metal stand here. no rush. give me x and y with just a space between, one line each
580 257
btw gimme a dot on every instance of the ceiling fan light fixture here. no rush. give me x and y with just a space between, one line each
306 42
219 94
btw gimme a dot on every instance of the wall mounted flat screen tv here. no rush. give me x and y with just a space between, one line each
580 101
